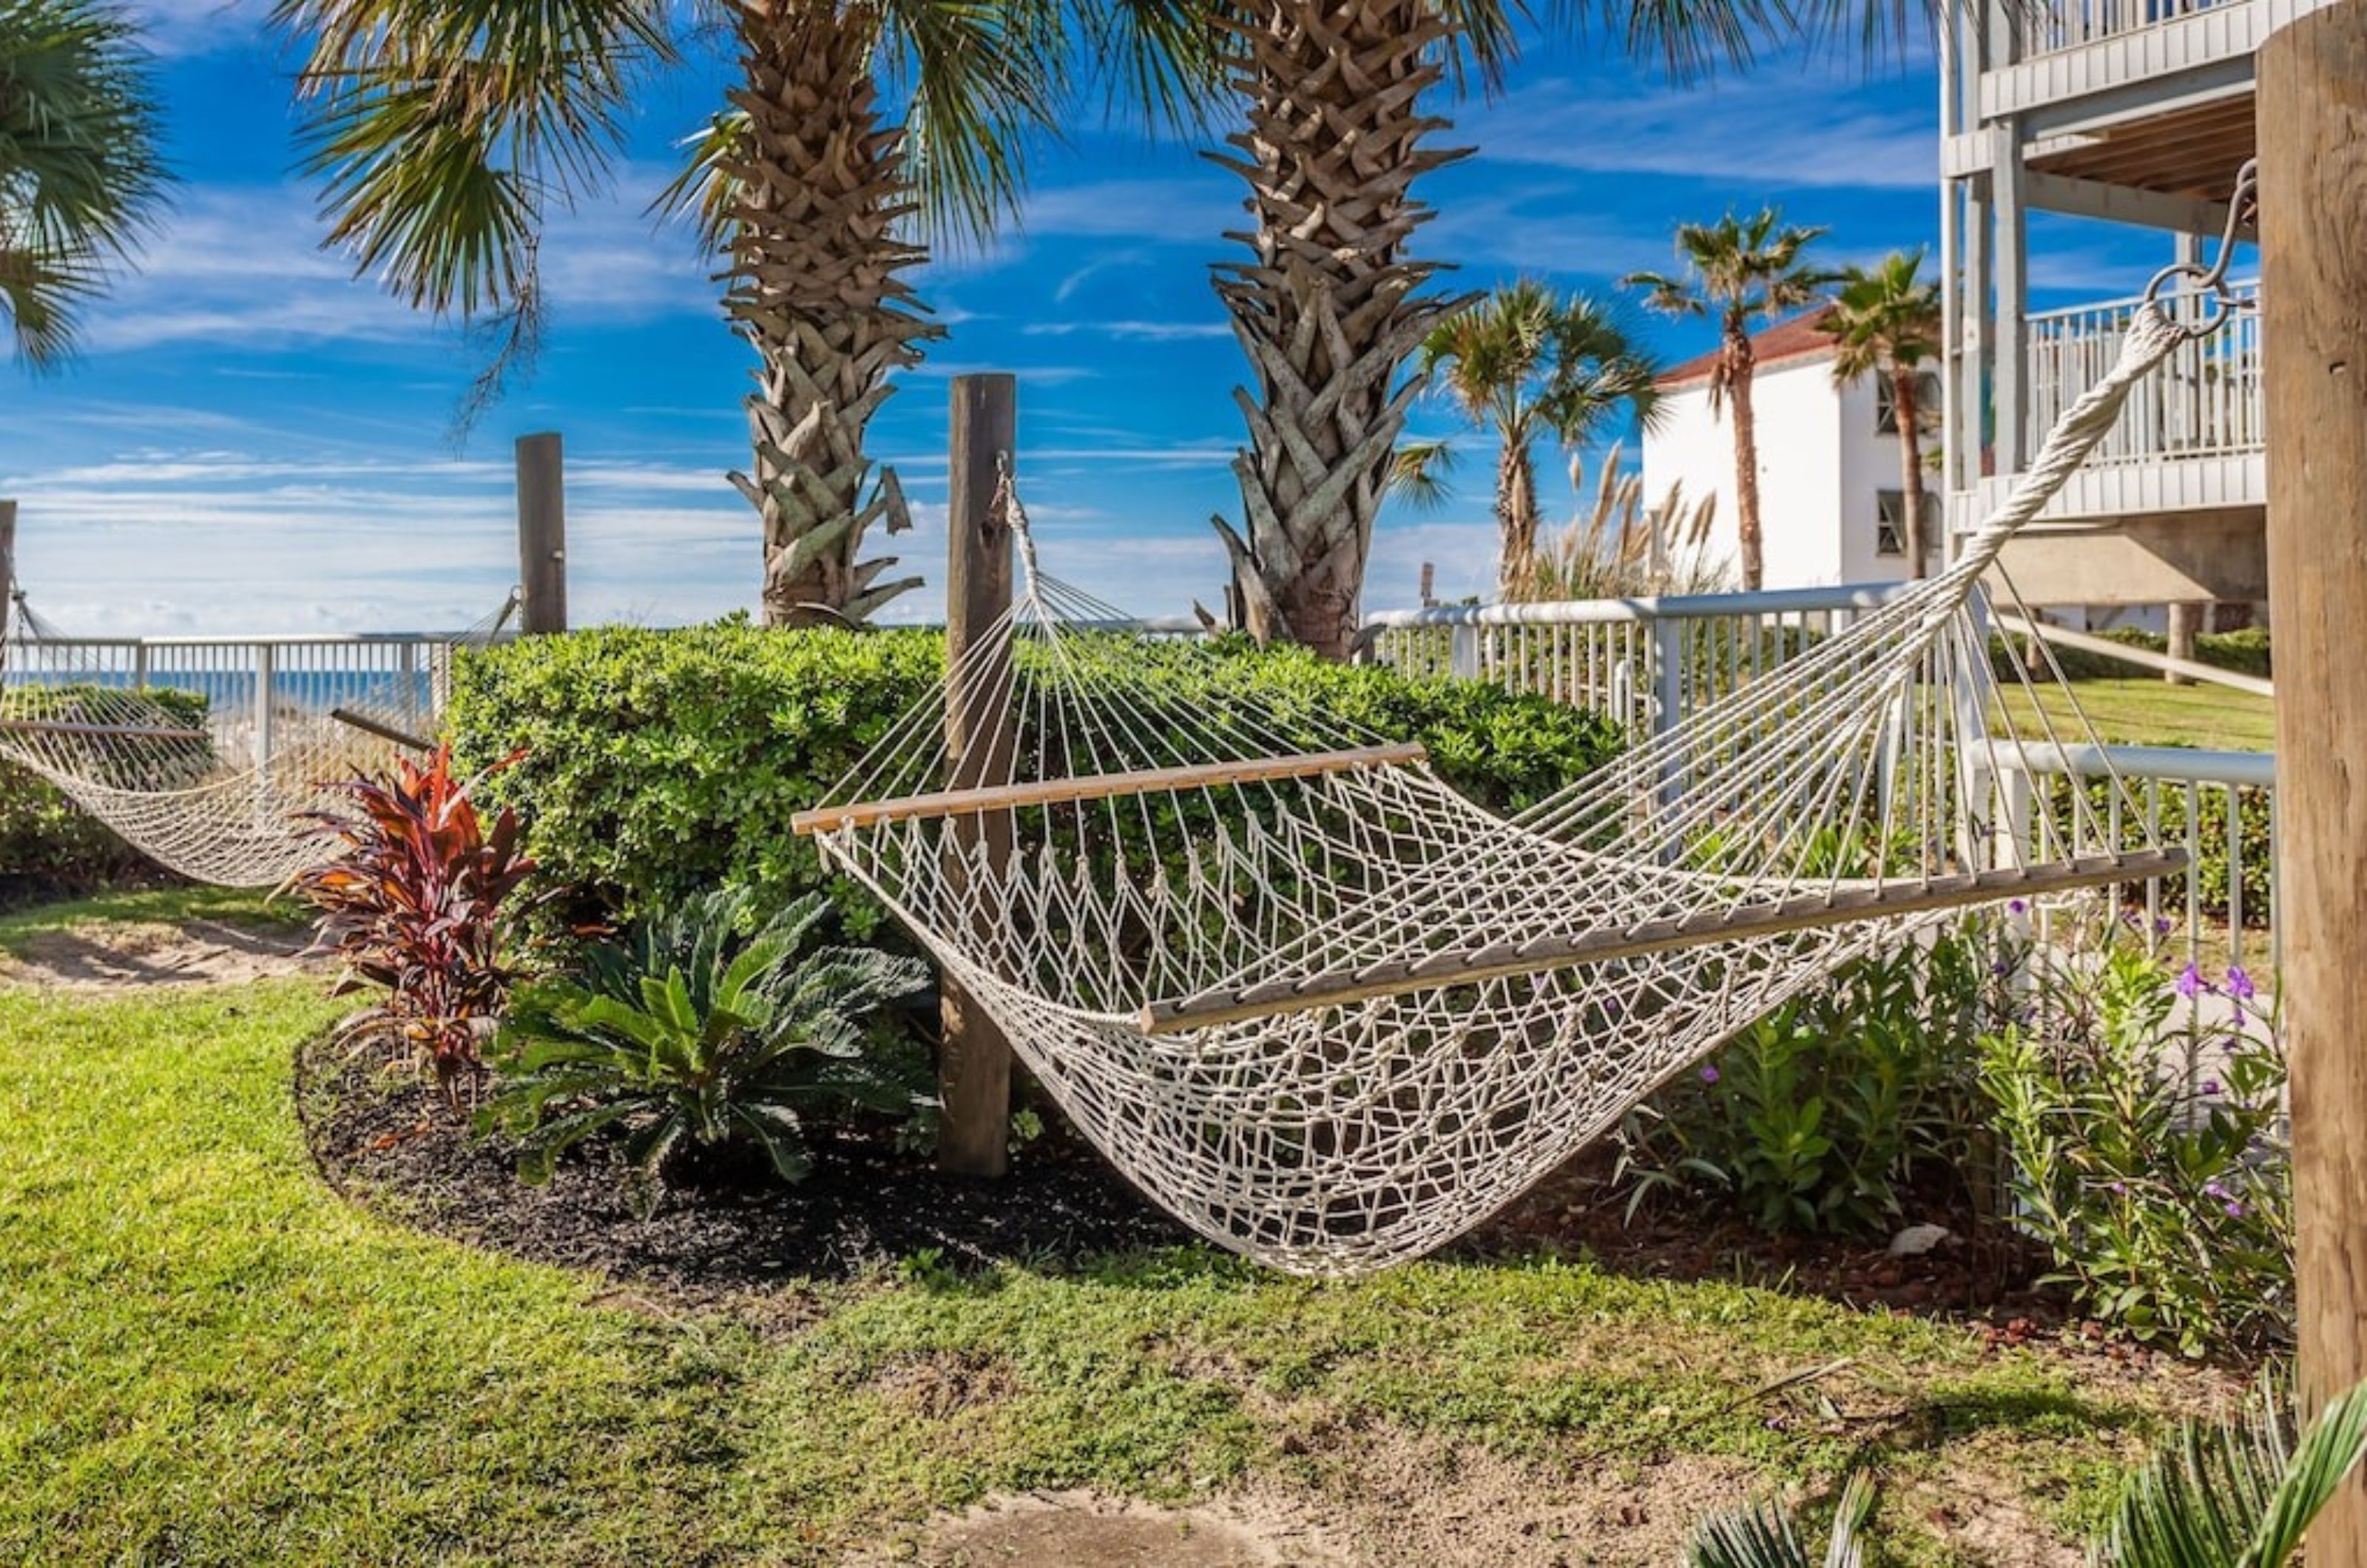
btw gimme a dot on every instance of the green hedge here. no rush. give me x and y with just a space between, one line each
658 763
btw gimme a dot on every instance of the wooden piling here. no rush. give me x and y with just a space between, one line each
7 565
2312 149
974 1064
542 533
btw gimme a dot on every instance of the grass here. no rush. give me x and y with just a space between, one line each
2149 712
163 906
207 1357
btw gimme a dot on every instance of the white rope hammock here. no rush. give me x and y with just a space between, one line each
186 765
1330 1013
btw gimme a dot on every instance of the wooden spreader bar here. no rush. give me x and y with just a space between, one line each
1100 786
101 731
369 725
1804 912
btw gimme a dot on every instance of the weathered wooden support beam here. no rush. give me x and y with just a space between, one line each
974 1060
2312 130
542 533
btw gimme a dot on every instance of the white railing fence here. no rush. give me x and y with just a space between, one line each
2058 24
2207 401
1644 663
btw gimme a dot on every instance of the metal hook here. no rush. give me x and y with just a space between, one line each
2243 207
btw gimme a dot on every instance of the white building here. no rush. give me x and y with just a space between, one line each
1829 493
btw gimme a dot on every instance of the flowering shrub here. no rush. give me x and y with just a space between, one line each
1822 1116
2145 1144
411 901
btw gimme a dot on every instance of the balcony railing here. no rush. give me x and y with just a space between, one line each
2058 24
2205 402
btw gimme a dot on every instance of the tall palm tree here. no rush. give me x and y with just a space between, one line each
1526 363
446 131
1886 322
1741 271
82 175
1338 103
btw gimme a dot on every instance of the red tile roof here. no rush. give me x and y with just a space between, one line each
1802 337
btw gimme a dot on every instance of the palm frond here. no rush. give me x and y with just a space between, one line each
982 82
82 173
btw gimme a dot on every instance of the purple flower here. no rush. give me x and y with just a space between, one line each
2210 1087
2190 981
2214 1189
2017 905
2161 925
2118 1189
2234 1211
1709 1075
2239 984
1999 969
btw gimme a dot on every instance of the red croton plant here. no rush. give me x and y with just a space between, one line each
410 898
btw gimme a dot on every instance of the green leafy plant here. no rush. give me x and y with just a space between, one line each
1821 1116
2147 1147
413 898
690 1037
2238 1494
662 762
1763 1534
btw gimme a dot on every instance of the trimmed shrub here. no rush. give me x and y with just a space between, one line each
661 764
2246 652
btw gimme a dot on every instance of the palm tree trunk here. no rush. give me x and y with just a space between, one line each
1751 542
1326 307
1911 458
816 291
1516 513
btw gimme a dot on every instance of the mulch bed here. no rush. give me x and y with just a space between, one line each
384 1139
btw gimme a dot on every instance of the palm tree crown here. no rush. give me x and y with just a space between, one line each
1886 322
1738 271
1527 363
81 173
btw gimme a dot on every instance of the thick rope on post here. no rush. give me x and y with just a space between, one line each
1332 1016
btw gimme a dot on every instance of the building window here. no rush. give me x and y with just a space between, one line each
1927 403
1890 522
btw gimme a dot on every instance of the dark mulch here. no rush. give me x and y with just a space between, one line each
384 1139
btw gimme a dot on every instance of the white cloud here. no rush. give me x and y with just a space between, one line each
1133 331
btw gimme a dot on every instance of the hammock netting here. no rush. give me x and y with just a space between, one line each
1330 1013
208 770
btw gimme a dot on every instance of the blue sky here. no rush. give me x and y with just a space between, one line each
257 441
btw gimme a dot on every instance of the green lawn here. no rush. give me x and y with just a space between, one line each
207 1357
2151 712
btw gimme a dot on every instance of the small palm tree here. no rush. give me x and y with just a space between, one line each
1886 322
1526 364
1740 271
446 133
81 173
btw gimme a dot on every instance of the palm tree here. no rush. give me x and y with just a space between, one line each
81 173
1886 322
1338 104
1524 364
1741 271
446 131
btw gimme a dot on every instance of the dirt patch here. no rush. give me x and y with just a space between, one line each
385 1140
1085 1530
123 957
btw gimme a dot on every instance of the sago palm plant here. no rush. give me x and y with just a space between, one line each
1524 365
1886 322
82 175
1739 272
447 131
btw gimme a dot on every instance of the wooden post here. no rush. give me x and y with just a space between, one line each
7 565
2185 625
2313 123
974 1065
542 533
